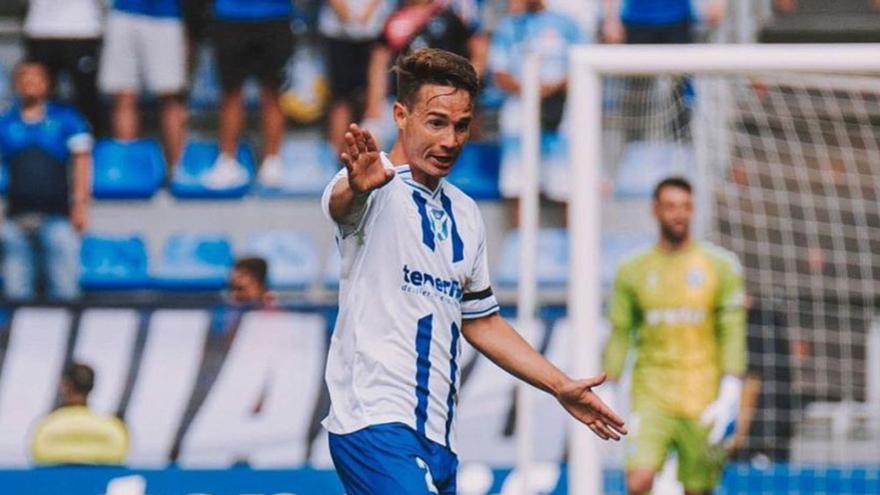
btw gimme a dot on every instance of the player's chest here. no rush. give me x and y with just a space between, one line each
685 282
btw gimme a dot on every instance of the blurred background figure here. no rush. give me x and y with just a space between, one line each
47 205
248 282
530 28
73 433
65 36
145 48
251 38
415 24
350 28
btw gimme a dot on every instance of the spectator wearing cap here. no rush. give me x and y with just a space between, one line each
65 36
145 48
74 433
47 149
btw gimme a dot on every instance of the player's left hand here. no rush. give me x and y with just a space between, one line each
578 398
721 415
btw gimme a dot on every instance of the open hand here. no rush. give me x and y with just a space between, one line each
361 158
578 399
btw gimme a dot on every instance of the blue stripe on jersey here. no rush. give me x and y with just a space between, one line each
453 370
423 370
457 244
427 233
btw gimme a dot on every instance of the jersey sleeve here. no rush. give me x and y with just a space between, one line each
357 222
478 300
623 315
79 133
730 318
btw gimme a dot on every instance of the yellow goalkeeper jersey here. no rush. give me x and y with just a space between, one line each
76 435
683 313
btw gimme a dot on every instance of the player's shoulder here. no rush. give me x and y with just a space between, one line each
635 261
721 256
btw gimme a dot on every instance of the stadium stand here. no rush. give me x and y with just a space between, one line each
308 165
476 171
294 263
127 169
114 263
645 163
194 262
198 158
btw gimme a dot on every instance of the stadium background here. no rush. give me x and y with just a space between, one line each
174 360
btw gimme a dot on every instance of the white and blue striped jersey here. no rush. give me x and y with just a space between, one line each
412 268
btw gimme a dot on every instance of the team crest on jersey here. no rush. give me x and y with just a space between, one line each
695 278
439 224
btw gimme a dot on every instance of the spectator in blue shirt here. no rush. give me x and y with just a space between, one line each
251 38
655 22
531 28
47 149
145 45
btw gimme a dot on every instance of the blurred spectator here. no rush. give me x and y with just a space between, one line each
73 433
531 28
196 16
655 21
789 6
251 38
65 36
40 142
417 24
248 282
144 43
350 27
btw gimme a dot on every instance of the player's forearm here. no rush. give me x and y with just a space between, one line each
377 79
611 9
616 349
507 83
347 206
498 341
732 334
478 45
82 179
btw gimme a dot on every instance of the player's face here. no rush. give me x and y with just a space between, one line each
244 288
673 210
31 82
435 128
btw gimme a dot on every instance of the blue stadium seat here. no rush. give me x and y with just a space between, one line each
332 268
198 158
617 248
194 262
113 263
309 164
552 259
476 171
292 256
644 164
127 170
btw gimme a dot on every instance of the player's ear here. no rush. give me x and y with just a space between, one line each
401 113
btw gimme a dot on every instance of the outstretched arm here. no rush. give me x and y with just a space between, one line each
348 199
494 337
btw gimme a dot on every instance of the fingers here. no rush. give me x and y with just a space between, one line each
370 141
603 431
359 138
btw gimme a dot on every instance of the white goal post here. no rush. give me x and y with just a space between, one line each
588 65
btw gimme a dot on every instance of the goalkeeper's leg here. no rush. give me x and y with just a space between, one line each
700 464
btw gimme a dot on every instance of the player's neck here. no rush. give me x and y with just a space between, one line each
33 110
670 246
398 157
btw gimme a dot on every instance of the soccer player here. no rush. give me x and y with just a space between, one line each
681 305
414 281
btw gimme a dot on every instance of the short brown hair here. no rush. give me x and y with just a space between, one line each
674 182
433 66
255 267
81 377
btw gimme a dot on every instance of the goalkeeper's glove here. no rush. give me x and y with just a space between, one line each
721 415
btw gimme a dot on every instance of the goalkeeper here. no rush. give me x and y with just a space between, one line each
681 306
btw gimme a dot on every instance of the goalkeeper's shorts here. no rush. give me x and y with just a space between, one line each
654 434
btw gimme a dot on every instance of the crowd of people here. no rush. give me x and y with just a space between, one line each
132 48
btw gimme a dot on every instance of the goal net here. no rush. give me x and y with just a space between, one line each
783 147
